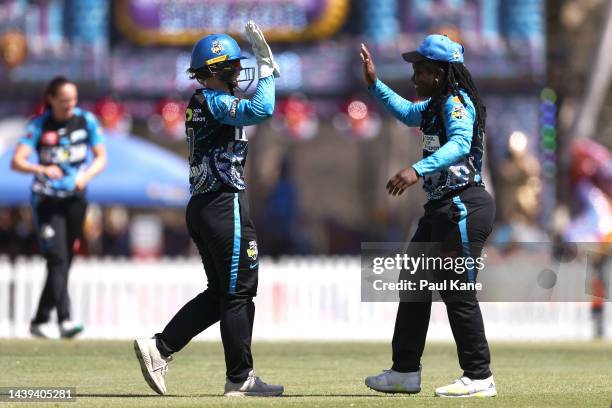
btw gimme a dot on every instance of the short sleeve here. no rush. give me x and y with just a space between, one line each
94 131
33 132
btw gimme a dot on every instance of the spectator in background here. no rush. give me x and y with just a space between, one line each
116 232
62 136
519 194
588 216
281 212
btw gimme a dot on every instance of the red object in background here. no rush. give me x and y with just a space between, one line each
588 158
172 113
299 116
76 245
39 108
110 112
362 122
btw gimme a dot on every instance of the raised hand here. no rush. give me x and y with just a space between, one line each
369 69
261 49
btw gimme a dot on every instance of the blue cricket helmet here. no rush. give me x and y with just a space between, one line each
214 48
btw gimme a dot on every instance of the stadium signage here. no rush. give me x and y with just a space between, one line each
182 22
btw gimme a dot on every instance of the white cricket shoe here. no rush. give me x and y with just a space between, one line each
43 330
153 365
395 382
68 329
465 388
252 387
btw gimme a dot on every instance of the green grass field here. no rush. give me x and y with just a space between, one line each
106 374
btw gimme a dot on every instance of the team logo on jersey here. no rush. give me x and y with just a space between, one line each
252 250
49 138
458 112
216 47
188 115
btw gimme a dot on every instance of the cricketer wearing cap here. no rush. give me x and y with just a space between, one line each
458 215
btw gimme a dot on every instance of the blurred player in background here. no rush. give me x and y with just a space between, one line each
458 215
218 213
61 136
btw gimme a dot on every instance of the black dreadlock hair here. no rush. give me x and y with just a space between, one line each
458 77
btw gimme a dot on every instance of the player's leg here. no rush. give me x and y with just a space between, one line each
194 317
473 211
74 209
236 256
51 231
411 324
183 326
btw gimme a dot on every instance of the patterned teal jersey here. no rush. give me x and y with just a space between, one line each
452 147
64 144
214 122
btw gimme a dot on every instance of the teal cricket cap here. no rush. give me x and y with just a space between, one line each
436 47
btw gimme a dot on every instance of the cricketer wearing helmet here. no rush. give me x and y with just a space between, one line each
218 213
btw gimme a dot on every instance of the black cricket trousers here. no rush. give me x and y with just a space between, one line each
452 226
58 223
220 225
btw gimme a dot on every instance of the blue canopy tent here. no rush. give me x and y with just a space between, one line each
139 174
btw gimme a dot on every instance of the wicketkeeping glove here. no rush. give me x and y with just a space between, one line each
261 49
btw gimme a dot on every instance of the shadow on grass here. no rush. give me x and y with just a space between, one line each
102 395
110 395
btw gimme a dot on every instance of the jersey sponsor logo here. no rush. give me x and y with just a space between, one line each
431 143
458 112
252 251
78 135
194 115
77 153
49 138
233 108
56 154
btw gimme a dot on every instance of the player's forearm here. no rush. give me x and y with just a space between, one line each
23 166
447 155
262 103
404 110
96 167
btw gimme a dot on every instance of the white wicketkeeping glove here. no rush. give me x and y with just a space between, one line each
261 49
